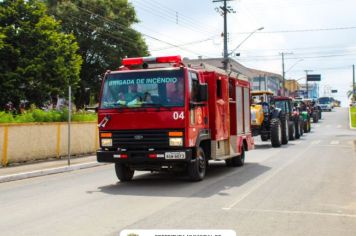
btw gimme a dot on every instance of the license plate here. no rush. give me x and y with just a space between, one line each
174 155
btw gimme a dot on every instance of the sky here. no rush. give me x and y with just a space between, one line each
316 35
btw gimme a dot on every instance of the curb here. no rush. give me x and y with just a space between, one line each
50 171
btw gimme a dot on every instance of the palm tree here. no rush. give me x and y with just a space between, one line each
350 94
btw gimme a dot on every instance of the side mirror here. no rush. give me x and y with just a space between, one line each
203 92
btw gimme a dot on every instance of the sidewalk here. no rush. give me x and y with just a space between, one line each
23 171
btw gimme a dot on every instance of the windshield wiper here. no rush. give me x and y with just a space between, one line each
119 105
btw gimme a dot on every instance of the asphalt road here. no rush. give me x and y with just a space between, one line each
307 187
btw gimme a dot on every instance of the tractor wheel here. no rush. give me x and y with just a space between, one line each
297 128
285 129
291 131
276 132
239 160
197 168
228 162
307 125
301 129
264 137
123 172
315 117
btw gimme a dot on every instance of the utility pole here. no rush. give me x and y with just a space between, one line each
284 75
306 81
69 120
224 10
283 71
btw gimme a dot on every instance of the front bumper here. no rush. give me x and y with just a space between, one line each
143 157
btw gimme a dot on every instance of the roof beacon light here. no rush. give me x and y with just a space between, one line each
140 60
132 61
169 59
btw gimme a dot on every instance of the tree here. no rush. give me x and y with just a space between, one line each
104 33
37 60
350 93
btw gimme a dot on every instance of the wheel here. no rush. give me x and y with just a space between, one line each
285 129
315 118
291 131
306 126
123 172
301 128
228 162
239 160
197 167
297 128
264 137
319 114
276 132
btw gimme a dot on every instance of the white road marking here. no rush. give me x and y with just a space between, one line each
335 142
263 181
315 142
297 142
301 212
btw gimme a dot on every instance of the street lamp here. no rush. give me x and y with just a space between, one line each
248 36
294 65
226 60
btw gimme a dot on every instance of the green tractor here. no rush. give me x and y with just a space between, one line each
305 114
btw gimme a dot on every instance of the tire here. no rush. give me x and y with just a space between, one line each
239 160
320 115
285 129
291 131
297 128
197 167
315 117
276 132
264 137
228 162
307 126
301 128
123 172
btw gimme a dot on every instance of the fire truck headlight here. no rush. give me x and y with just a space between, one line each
106 142
176 142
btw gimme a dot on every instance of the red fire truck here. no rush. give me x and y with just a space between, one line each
158 114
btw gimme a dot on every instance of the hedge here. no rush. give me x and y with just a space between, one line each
38 115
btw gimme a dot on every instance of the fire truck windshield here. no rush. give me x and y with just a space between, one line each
156 88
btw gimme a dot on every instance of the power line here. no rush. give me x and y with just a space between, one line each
164 15
121 26
300 30
335 46
146 35
182 18
185 44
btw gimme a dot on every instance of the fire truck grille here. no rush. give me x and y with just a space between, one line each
142 139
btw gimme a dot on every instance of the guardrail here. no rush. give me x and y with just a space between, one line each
40 141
